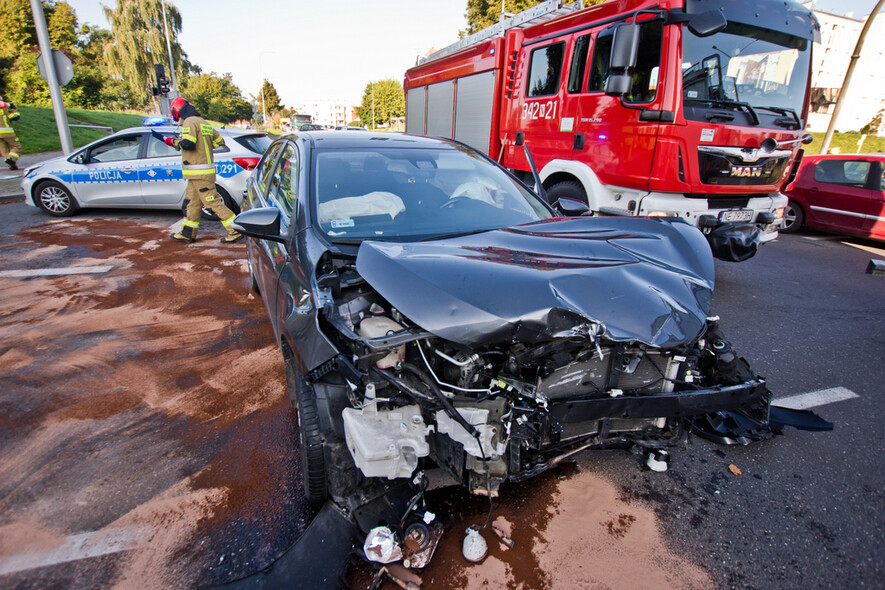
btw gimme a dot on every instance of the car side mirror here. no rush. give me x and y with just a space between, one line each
571 207
262 223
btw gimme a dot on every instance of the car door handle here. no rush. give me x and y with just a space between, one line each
128 169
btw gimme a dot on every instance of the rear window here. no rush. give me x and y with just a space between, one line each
256 143
845 172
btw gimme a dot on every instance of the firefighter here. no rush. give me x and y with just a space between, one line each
196 143
10 148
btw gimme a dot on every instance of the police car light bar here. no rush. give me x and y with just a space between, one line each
156 121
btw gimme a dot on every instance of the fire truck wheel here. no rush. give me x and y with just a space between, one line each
569 189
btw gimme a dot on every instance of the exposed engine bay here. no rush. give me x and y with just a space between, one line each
508 412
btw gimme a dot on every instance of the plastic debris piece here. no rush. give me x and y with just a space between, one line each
381 546
734 469
474 547
503 537
658 460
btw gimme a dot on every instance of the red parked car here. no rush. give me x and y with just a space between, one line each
840 193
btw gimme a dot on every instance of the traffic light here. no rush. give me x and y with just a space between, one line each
162 87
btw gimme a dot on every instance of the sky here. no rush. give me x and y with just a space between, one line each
308 49
326 49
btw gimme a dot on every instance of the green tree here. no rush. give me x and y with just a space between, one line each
484 13
17 30
388 100
61 20
271 99
138 42
217 98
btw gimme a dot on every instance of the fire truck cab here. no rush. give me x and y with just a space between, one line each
682 108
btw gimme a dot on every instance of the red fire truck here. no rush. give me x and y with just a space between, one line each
685 108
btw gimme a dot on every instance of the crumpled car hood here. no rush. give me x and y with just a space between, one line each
645 280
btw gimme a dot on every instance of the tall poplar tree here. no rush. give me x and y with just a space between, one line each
138 42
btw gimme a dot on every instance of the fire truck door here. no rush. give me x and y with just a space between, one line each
541 115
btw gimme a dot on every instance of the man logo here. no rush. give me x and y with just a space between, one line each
746 172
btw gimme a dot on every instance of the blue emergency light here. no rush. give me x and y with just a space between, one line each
156 121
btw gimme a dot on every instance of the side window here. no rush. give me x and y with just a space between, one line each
844 172
116 150
599 65
157 149
545 70
266 166
579 64
283 187
648 64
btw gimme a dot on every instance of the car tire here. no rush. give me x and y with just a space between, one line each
313 462
55 198
208 214
794 217
570 189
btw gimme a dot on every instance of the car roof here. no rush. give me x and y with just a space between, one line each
176 128
368 139
817 157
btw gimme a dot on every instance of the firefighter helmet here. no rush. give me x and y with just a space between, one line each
177 104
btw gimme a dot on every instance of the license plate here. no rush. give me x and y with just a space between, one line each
736 215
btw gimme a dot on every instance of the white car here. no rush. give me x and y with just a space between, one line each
133 168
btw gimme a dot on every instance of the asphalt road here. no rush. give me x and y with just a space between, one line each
148 442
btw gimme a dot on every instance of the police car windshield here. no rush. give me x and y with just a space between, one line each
415 193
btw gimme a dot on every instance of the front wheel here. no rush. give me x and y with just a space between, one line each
55 198
313 462
794 217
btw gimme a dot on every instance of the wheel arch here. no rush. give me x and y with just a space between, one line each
38 182
558 170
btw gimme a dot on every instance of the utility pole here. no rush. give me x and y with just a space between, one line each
58 105
848 73
169 50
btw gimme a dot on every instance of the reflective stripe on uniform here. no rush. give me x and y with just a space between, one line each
189 137
13 156
187 173
6 130
189 223
227 222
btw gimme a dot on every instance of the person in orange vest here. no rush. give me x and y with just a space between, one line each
196 143
10 148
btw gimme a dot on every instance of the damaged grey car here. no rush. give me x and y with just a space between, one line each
436 315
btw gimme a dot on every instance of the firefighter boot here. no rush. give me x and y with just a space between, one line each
11 163
188 232
233 236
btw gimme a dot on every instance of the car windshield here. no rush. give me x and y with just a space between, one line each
415 193
760 67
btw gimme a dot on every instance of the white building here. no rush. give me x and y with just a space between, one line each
866 95
326 112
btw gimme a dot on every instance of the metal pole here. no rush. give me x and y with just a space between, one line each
845 83
58 105
373 106
169 49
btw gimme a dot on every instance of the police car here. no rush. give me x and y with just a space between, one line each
134 168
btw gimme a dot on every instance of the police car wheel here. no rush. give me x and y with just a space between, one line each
208 214
55 199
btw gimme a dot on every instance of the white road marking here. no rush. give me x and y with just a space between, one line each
813 399
76 547
54 272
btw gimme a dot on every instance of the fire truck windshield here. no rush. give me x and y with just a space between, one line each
743 65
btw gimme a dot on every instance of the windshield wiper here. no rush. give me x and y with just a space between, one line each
793 123
726 104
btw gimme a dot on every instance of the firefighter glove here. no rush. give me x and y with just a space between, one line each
170 141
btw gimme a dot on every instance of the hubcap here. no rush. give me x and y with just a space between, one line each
789 217
55 199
